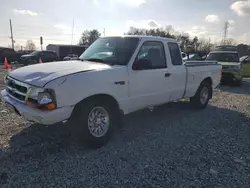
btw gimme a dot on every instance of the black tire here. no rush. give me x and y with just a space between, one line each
238 82
80 128
196 100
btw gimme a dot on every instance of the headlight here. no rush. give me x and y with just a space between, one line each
34 92
43 99
237 68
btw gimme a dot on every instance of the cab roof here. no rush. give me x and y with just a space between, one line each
145 37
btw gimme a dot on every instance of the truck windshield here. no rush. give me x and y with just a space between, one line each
223 57
111 50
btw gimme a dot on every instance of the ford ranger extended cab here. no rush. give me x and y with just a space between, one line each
113 77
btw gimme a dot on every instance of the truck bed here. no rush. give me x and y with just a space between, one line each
195 73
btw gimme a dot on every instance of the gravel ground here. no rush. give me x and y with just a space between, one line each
173 146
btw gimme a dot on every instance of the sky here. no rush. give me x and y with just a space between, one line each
53 19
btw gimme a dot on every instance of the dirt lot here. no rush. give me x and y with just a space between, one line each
173 146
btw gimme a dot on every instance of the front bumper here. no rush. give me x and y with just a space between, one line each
231 76
31 114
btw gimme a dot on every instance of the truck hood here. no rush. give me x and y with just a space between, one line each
228 63
40 74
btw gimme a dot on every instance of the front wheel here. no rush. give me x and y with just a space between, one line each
202 96
93 123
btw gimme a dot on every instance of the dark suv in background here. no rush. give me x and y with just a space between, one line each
33 58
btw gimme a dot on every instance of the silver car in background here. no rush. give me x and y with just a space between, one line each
71 57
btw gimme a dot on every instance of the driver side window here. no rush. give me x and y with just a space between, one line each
154 53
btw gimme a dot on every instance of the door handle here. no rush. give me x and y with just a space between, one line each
120 83
167 74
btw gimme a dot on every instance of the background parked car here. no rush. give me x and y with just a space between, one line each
231 66
71 57
9 53
245 62
183 54
33 58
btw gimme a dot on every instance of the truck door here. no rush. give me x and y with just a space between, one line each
178 72
149 77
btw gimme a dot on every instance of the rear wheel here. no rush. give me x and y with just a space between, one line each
93 123
202 95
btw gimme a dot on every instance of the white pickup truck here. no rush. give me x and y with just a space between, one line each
114 76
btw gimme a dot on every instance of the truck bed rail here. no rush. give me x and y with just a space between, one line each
199 63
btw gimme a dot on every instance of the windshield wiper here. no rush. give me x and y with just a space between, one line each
96 60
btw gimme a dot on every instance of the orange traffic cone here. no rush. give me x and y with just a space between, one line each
40 60
7 65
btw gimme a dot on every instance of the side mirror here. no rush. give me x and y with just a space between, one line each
142 64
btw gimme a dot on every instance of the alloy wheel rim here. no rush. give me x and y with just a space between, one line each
98 121
204 95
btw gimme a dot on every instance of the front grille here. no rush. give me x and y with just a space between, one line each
225 67
16 89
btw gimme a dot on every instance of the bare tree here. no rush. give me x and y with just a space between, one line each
16 47
169 30
136 31
243 49
88 37
30 45
228 41
204 45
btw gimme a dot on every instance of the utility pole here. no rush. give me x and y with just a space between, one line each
104 32
41 43
12 40
72 35
209 44
225 31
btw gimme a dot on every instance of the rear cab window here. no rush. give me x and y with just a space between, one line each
175 53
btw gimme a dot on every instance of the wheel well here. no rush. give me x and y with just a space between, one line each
102 97
210 82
